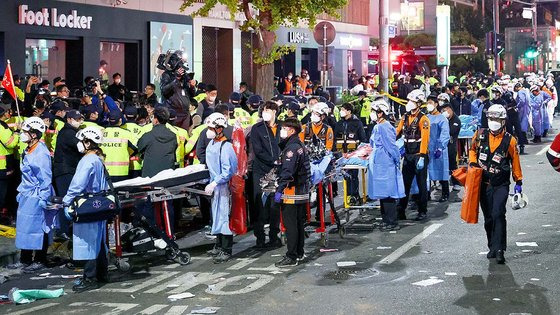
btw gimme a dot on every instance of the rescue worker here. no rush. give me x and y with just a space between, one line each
264 141
118 146
495 150
89 238
221 161
385 181
415 128
34 221
131 114
305 106
9 141
438 167
523 110
317 128
287 84
182 137
454 130
537 104
293 190
240 115
349 133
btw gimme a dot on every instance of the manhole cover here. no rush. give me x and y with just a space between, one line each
351 273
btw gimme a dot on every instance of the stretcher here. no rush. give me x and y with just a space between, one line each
350 204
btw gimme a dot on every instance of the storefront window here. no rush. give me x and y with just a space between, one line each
412 16
45 58
111 61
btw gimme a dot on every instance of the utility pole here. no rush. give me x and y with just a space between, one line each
496 32
384 45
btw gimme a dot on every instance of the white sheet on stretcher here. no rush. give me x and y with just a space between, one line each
166 174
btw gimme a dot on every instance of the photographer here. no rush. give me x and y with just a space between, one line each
175 86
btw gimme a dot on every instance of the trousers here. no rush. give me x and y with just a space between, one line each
409 171
294 216
389 211
97 268
224 242
353 183
61 184
493 201
26 255
267 213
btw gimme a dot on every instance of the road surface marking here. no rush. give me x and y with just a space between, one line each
243 262
177 310
269 268
117 308
33 309
200 258
172 266
152 309
258 281
151 281
543 150
408 245
187 281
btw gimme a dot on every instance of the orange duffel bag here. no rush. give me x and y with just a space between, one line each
460 175
471 200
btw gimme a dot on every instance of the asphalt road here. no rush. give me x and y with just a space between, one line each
436 267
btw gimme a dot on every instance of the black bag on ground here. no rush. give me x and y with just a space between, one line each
137 240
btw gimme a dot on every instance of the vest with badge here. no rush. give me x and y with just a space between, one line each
412 134
496 165
322 134
348 141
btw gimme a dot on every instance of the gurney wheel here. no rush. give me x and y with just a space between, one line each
122 265
183 258
324 240
342 231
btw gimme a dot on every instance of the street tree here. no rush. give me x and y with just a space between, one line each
263 17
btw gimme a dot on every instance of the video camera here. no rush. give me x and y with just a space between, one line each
173 61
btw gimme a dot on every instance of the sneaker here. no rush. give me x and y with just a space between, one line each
222 257
443 199
214 252
34 267
421 217
286 262
390 227
456 188
301 258
85 284
18 265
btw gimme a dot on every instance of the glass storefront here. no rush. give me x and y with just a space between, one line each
45 58
111 61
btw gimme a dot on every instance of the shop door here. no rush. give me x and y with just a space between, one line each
310 62
217 59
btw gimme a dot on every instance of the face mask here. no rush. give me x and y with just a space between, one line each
343 113
266 116
494 125
76 124
210 134
496 96
441 103
410 106
308 78
283 133
469 92
24 137
289 77
373 116
430 107
81 147
211 99
445 114
118 81
315 118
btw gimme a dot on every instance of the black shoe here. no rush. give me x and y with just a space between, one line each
301 258
214 252
260 246
500 259
443 199
34 267
103 278
274 244
85 285
421 217
522 150
390 227
222 257
491 254
286 262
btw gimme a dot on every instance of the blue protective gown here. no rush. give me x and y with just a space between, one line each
439 138
89 178
523 108
537 104
222 164
33 221
384 176
476 108
546 120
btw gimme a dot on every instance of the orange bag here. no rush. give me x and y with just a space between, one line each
460 175
471 201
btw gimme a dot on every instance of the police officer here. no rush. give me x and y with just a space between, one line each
495 150
131 114
349 133
240 115
293 190
365 107
414 127
438 168
8 143
253 104
118 145
58 109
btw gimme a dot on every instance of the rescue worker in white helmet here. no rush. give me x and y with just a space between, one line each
318 127
495 150
89 242
415 128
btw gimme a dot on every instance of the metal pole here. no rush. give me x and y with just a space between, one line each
443 75
483 11
534 24
496 10
325 61
384 44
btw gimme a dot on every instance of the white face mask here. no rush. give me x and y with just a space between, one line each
315 118
430 107
266 116
441 103
24 137
210 134
494 125
445 114
211 99
289 77
75 124
410 106
373 116
81 147
283 133
343 113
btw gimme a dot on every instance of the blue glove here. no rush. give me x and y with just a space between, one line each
278 197
43 204
420 164
517 189
437 154
67 213
402 151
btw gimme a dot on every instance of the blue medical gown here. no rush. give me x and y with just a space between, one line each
222 164
537 105
439 138
523 108
33 221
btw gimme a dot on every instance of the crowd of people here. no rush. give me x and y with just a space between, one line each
80 140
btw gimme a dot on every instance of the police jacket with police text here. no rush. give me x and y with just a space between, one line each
66 154
264 143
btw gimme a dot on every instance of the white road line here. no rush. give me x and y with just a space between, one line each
152 309
543 150
243 262
117 308
151 281
177 310
408 245
35 308
269 268
187 281
172 266
200 258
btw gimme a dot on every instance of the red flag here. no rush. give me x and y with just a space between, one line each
8 82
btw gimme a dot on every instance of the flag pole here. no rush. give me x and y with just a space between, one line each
16 98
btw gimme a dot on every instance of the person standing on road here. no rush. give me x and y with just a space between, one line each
438 168
537 104
523 109
293 190
454 130
495 150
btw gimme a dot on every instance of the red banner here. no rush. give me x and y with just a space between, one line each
8 81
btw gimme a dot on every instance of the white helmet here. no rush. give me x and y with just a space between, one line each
497 89
506 77
321 108
34 123
443 97
91 133
549 83
519 201
416 96
381 105
216 120
496 111
534 88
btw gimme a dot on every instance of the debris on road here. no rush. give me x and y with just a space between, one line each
206 310
180 296
535 279
328 250
450 273
496 299
521 233
427 282
18 296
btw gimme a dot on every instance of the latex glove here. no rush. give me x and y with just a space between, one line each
209 189
67 213
420 163
43 204
437 154
402 151
278 197
517 189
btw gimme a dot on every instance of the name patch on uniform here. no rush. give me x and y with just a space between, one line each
483 156
497 158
